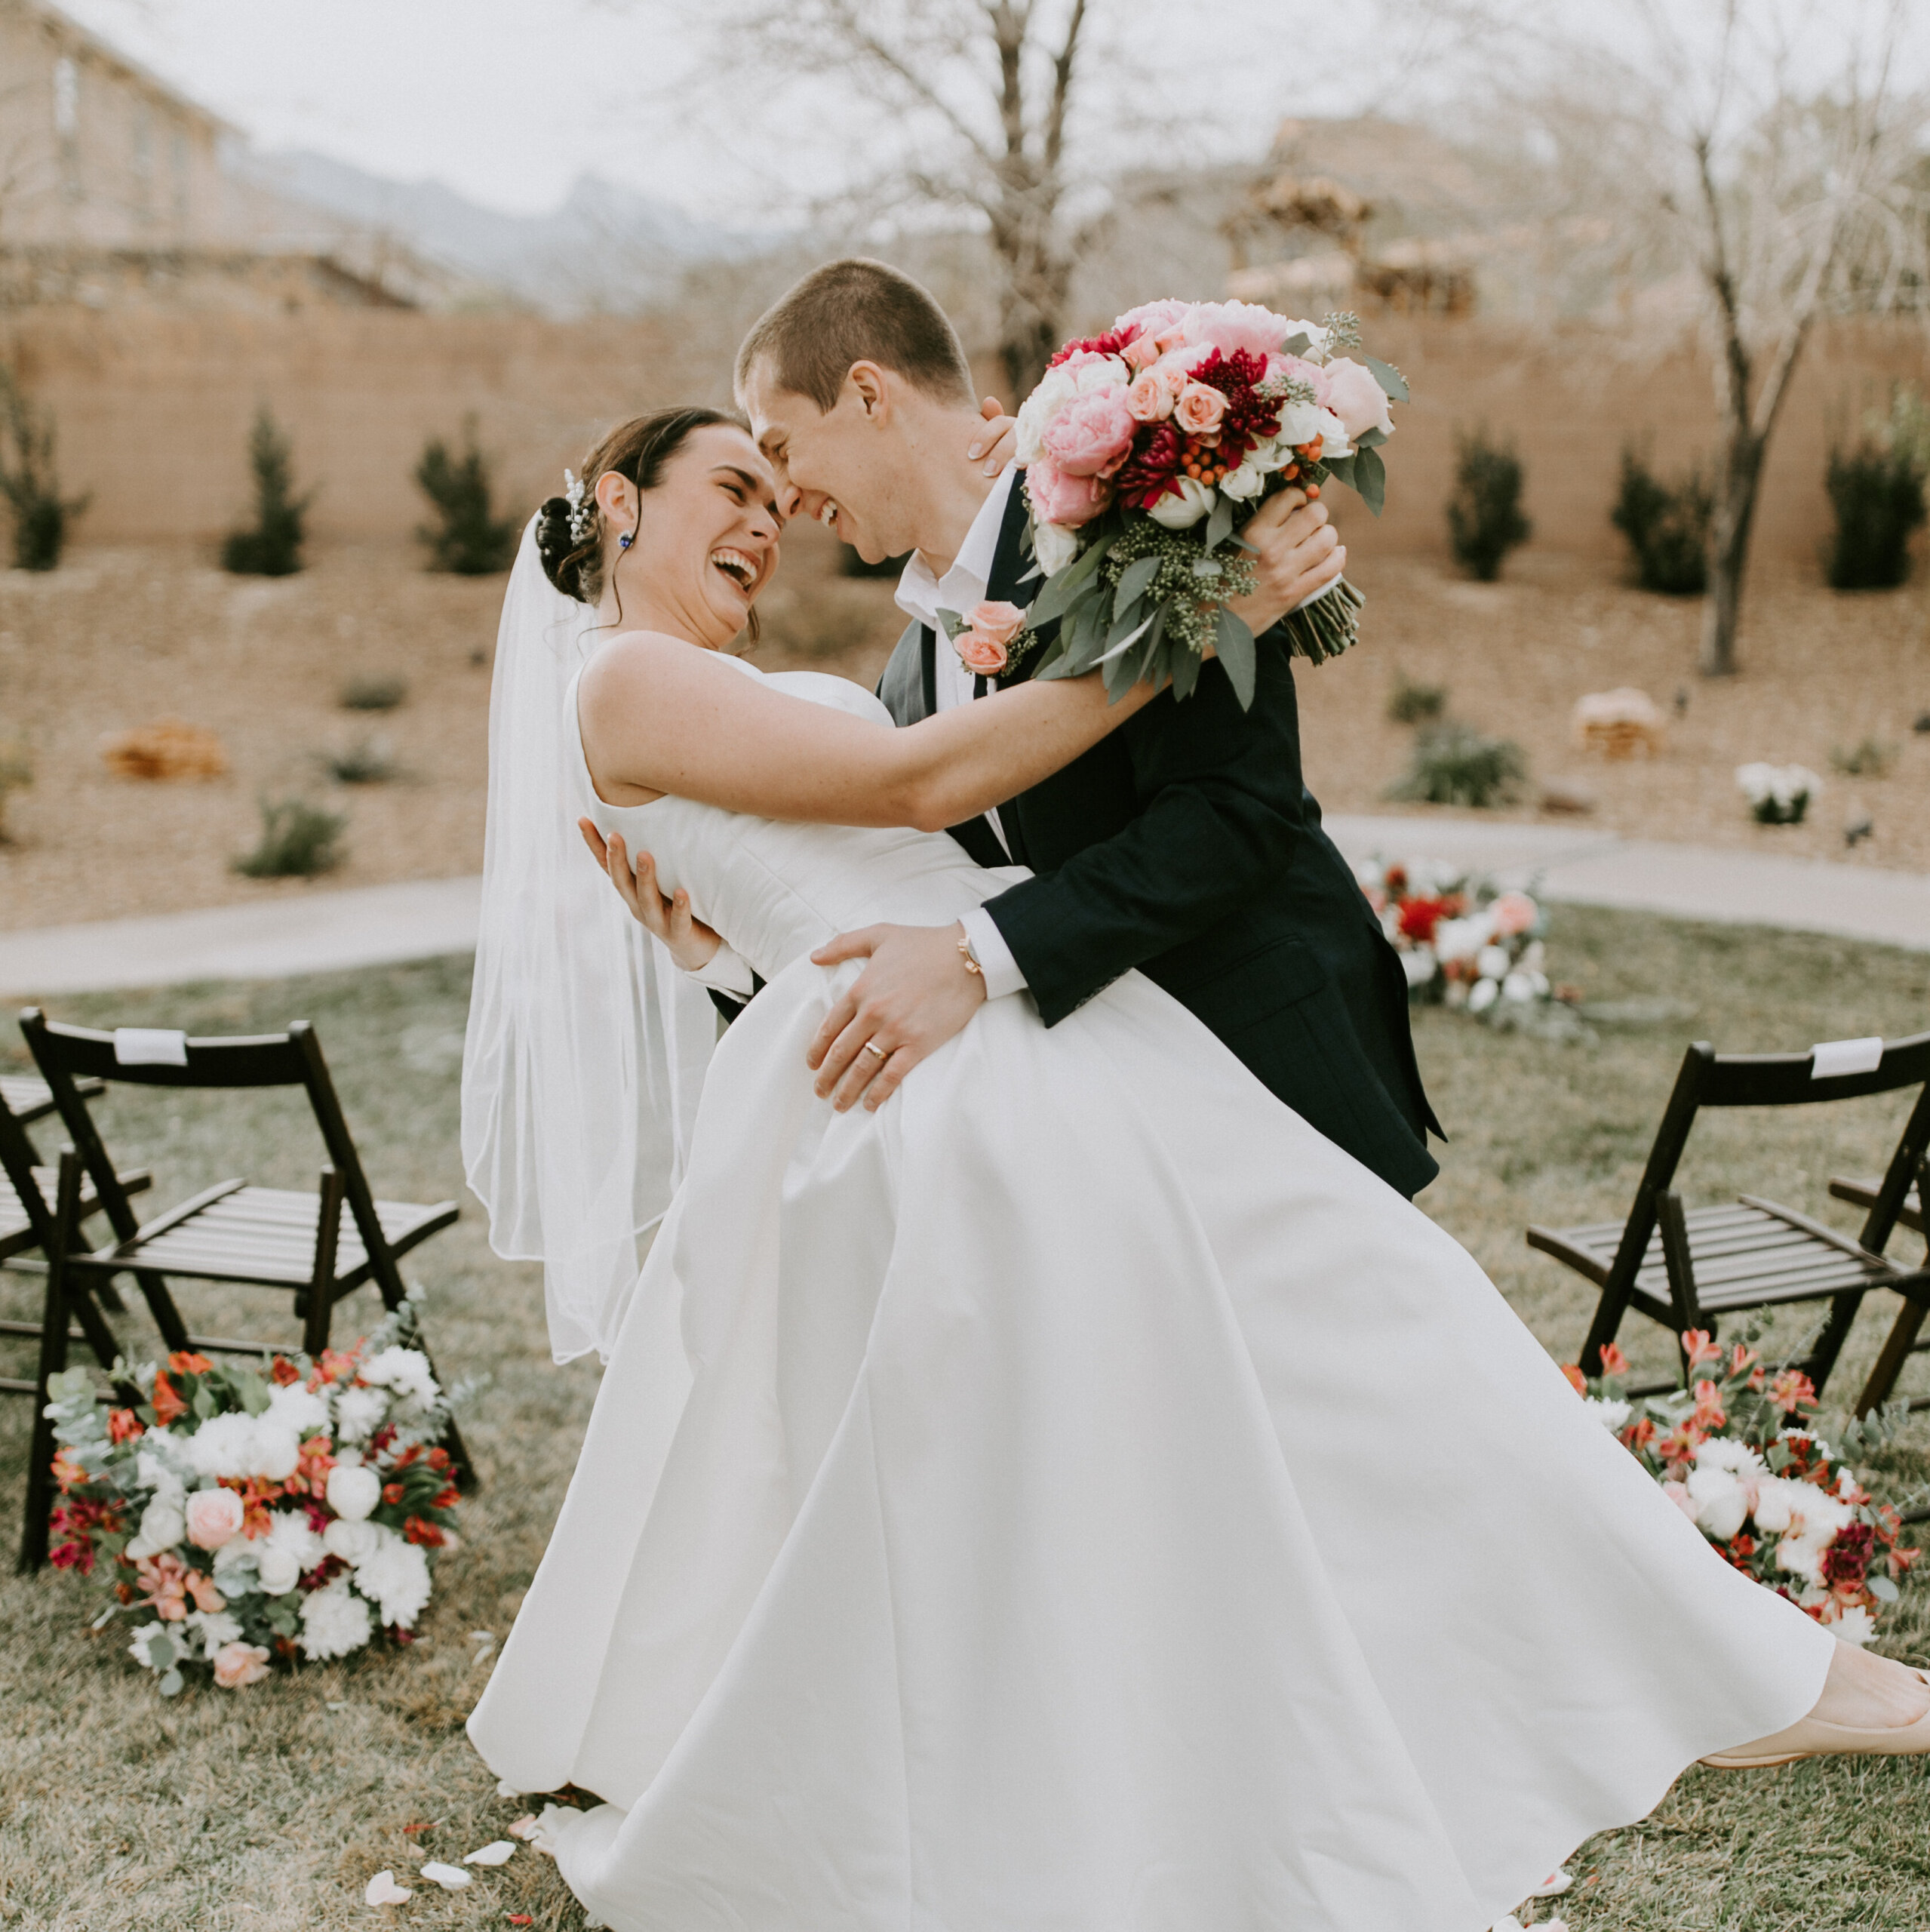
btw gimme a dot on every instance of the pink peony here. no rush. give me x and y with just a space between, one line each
1513 913
1150 399
1199 409
238 1665
1357 398
1231 326
213 1515
1151 318
1092 435
1299 371
1058 497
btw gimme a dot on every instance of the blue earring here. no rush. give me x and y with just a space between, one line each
623 541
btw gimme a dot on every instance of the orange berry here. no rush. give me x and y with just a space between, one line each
1312 493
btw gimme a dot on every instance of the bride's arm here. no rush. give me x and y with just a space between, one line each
660 715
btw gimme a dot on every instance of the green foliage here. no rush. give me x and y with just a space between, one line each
297 841
1877 491
273 548
1485 520
1667 526
372 693
467 538
30 482
15 775
1871 758
1410 703
1455 764
367 761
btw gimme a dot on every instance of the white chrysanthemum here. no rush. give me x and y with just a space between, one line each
300 1409
334 1622
359 1412
236 1444
395 1575
1855 1625
162 1526
1724 1452
216 1628
1612 1415
405 1371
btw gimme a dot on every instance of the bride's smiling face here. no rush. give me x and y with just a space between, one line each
704 542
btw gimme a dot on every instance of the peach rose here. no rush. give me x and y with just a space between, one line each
1199 409
1092 435
1149 398
213 1515
238 1665
1001 622
1141 352
984 655
1058 497
1357 398
1514 913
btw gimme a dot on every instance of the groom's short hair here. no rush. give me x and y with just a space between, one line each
855 311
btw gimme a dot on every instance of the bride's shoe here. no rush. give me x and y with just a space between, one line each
1811 1737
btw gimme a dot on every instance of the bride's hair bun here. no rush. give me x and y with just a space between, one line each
638 450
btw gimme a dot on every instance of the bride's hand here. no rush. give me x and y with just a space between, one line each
999 444
692 943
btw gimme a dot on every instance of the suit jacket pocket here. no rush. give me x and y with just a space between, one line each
1272 977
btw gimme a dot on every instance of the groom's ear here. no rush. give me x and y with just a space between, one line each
873 391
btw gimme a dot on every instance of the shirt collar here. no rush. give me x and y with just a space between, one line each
921 594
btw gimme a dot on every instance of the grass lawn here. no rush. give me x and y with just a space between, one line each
268 1810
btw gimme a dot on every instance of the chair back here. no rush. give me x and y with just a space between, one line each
17 1162
1710 1079
66 1055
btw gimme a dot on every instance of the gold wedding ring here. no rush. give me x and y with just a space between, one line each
879 1050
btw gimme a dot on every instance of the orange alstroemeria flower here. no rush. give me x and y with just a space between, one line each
183 1363
168 1403
1613 1362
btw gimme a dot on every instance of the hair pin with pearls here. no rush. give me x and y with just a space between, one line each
583 509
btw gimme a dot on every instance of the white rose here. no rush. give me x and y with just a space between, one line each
1334 439
353 1493
1519 986
353 1542
1183 511
1054 545
1301 422
1419 965
1482 994
1245 482
1492 962
162 1527
1722 1503
280 1570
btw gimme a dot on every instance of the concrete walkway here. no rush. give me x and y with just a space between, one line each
324 932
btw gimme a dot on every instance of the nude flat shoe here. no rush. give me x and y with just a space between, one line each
1811 1737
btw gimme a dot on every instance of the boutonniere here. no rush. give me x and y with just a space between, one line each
991 640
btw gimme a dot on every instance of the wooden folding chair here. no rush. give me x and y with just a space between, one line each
321 1246
1902 1341
1688 1269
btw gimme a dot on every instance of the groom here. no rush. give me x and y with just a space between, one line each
1184 845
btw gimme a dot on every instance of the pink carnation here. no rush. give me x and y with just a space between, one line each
1092 435
1230 326
1061 498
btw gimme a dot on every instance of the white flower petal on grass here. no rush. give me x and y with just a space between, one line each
498 1851
450 1878
382 1889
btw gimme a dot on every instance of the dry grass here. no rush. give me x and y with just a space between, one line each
268 1811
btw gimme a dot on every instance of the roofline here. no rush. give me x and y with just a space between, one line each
64 23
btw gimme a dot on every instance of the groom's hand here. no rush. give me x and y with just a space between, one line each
1296 552
916 993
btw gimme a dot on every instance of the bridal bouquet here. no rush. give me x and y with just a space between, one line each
1735 1451
249 1515
1148 449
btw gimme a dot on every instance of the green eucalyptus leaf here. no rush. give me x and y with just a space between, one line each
1882 1588
1393 384
1219 525
1235 645
1185 671
1340 467
1370 439
952 623
1296 344
1137 577
171 1685
1120 646
1370 479
1057 596
204 1405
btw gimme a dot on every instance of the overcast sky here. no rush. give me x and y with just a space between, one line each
510 100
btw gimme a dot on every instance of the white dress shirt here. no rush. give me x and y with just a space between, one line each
921 595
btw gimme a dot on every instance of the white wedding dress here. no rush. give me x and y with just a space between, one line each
1080 1498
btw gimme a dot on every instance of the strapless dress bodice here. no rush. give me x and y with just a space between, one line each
777 890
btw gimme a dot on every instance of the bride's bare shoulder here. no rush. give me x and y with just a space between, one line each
634 658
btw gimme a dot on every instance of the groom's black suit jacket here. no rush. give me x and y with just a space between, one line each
1186 844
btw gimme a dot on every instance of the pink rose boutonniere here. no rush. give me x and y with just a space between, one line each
983 640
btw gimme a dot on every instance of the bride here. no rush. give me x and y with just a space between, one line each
1076 1495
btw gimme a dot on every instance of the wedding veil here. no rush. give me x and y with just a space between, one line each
586 1047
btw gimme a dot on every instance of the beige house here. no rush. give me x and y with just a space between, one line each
117 190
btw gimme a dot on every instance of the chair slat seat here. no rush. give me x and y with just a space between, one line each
1861 1192
267 1235
28 1100
17 1232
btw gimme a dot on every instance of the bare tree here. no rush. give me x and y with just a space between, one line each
1769 153
982 96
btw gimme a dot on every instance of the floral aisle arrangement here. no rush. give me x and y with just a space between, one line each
1148 449
1777 794
245 1516
1737 1450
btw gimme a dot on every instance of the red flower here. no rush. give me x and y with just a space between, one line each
183 1363
1111 344
1419 916
391 1492
1575 1378
447 1499
1846 1561
72 1556
1699 1346
427 1534
439 1459
168 1403
1793 1390
123 1426
1709 1412
1152 471
1613 1362
1249 419
285 1373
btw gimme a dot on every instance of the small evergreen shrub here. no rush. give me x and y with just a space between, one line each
297 841
1485 521
467 537
1877 491
1667 526
372 693
367 761
273 548
1455 764
30 483
1871 758
1410 703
